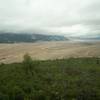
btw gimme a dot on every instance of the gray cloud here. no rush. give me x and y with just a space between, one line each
75 17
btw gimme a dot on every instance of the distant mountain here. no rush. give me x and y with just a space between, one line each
23 37
86 38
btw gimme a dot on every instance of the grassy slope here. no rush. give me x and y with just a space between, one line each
66 79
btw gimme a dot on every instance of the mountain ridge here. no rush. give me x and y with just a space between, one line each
33 37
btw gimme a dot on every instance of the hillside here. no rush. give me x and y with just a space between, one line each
23 37
66 79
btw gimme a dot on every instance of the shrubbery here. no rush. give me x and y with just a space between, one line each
65 79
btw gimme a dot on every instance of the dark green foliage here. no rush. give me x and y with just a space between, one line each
28 64
66 79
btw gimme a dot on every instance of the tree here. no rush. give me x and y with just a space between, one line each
28 64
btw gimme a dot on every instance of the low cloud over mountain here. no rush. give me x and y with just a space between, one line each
64 17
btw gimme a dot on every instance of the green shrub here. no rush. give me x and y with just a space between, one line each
64 79
28 64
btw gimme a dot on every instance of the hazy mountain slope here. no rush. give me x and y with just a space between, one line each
12 38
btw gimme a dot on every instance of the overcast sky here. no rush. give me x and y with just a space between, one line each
68 17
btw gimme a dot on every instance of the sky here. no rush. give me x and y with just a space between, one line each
64 17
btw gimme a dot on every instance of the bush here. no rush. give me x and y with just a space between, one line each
64 79
28 64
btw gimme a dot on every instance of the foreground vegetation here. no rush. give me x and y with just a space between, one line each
66 79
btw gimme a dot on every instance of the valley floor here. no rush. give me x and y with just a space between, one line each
48 50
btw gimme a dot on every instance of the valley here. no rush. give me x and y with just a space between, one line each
10 53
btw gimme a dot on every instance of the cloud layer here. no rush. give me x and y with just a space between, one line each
68 17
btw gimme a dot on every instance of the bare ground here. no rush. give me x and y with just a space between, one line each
48 50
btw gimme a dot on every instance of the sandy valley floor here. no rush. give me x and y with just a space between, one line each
48 50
